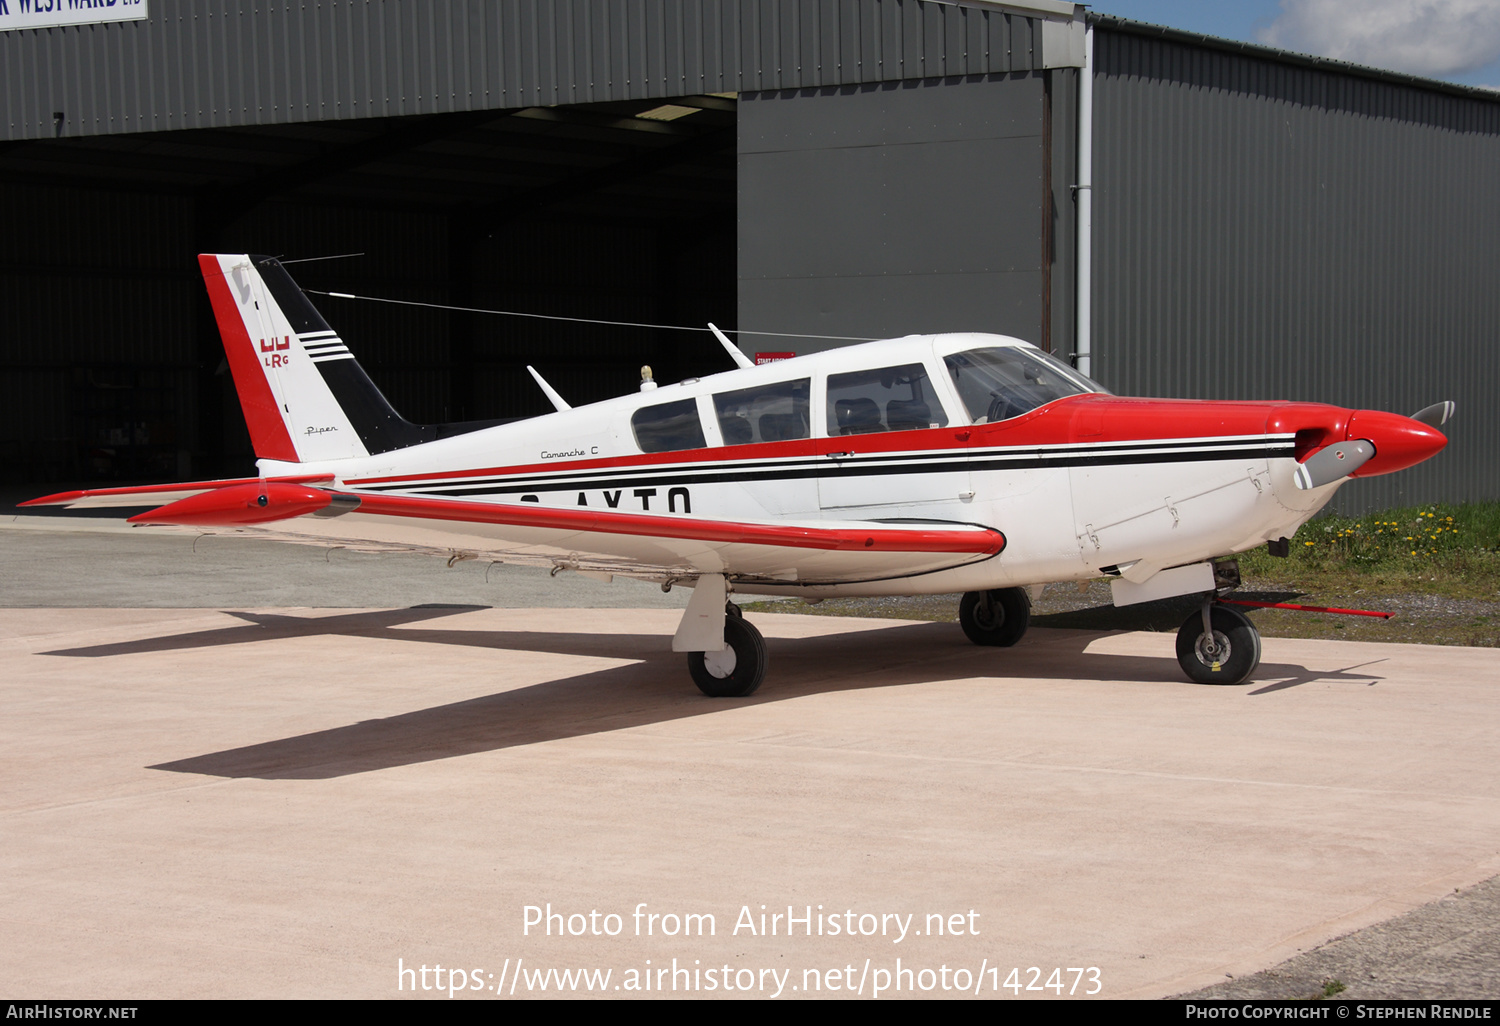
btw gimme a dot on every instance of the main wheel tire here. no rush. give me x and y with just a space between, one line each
1237 644
737 671
1000 621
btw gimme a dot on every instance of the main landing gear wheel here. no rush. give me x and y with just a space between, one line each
1230 658
738 670
997 617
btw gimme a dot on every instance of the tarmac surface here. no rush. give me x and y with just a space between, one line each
239 769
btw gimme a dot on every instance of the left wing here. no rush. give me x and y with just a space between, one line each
656 546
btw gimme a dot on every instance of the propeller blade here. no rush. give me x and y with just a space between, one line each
1436 415
1334 462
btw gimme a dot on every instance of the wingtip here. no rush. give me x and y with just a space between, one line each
59 499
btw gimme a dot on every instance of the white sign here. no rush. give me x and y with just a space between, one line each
35 14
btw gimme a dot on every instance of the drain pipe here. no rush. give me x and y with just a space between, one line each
1084 194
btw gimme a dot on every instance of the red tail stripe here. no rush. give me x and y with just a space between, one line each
268 431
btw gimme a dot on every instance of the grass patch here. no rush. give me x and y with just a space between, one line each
1330 988
1451 550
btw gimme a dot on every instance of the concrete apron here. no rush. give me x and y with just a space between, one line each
302 803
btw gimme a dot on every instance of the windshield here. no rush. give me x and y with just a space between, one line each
1001 382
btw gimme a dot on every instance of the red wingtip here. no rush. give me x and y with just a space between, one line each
59 499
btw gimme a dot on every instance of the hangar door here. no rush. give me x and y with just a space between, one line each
898 208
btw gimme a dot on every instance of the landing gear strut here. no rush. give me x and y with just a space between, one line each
1218 645
996 617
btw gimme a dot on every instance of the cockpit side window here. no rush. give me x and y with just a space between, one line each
668 427
887 399
774 412
1001 382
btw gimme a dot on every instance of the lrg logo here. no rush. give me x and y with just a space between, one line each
275 346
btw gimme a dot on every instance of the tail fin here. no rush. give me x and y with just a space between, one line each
304 395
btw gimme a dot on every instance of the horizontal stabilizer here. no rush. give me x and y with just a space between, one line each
258 503
154 495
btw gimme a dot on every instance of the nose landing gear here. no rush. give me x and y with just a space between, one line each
1218 645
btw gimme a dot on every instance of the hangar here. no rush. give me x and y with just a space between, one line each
1181 215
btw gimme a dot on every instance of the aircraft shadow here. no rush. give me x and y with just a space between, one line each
1161 615
653 688
273 627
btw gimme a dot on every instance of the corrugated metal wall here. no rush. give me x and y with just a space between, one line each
249 62
891 210
1268 230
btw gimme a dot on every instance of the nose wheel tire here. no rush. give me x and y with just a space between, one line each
998 617
736 671
1229 658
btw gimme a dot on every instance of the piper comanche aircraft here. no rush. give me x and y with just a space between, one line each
922 465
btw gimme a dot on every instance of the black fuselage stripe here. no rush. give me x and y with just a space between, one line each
1227 448
1033 456
827 469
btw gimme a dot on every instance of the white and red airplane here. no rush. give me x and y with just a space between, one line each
921 465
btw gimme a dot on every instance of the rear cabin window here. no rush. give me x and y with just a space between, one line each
668 427
775 412
888 399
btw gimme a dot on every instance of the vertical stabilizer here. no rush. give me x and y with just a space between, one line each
305 397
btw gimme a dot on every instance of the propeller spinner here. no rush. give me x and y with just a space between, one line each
1399 441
